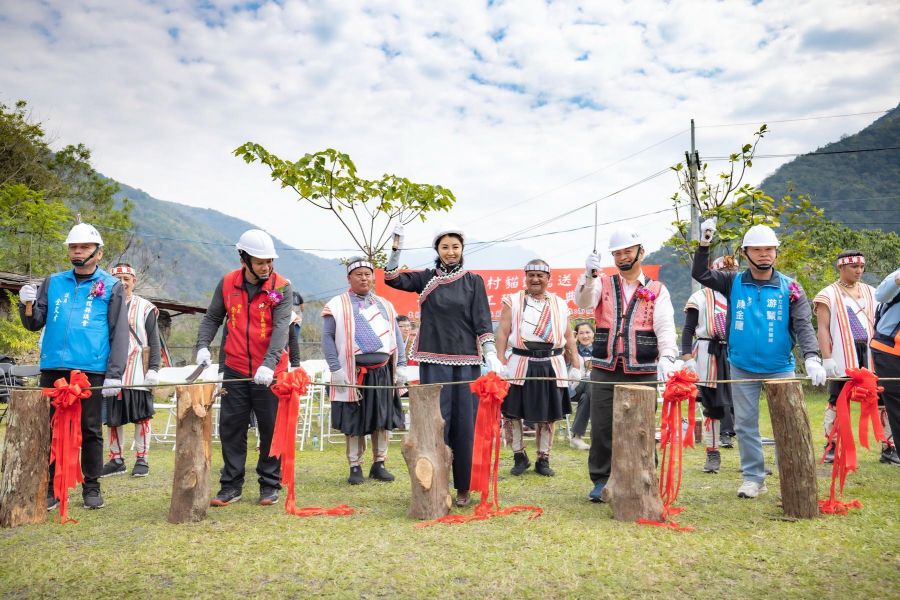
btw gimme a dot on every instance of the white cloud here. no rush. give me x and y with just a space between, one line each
500 104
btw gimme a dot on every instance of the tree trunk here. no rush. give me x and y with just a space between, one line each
193 439
26 454
793 439
633 487
427 456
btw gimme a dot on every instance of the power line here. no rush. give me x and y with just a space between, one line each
814 118
797 154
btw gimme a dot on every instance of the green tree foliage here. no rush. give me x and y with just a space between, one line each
365 208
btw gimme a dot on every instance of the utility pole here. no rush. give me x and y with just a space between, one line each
692 159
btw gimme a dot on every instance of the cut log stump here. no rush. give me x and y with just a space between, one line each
26 454
633 487
427 456
796 457
193 441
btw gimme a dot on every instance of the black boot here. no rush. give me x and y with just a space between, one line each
889 455
542 467
356 476
713 461
522 463
379 472
829 454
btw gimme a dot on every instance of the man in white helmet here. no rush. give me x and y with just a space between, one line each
634 339
85 325
255 303
767 312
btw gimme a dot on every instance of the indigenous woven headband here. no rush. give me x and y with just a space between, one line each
537 267
851 260
123 270
356 264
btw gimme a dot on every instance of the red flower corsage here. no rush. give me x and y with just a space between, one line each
645 294
97 290
795 292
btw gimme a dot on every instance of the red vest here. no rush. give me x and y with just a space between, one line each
625 331
248 324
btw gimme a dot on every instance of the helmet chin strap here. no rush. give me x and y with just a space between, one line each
761 268
80 262
630 265
245 258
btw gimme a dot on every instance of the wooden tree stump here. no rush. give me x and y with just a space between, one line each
633 487
796 457
427 456
193 441
26 454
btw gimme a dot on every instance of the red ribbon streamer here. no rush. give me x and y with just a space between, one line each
681 386
289 387
65 443
863 388
491 390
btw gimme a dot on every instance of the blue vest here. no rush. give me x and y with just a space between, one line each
76 331
759 335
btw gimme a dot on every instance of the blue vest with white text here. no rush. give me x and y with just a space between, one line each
759 336
76 332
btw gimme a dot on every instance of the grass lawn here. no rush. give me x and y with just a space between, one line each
740 549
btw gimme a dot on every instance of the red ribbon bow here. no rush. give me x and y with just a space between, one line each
65 443
863 388
681 386
289 387
491 390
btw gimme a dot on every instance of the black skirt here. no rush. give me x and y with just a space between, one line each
719 396
377 409
132 407
537 401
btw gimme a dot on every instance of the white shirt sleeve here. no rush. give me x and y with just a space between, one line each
664 324
587 291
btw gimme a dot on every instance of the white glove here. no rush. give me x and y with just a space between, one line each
28 293
494 365
204 357
398 231
111 387
815 370
339 378
151 377
830 366
264 376
690 365
707 231
666 367
592 263
574 375
400 377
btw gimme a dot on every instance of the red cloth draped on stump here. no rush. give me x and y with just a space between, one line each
863 388
289 387
491 390
65 444
680 387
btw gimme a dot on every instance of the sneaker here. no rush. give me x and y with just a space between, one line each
462 498
268 495
141 468
726 441
379 473
542 467
596 494
576 443
356 476
889 456
93 499
116 466
751 489
521 463
829 453
225 497
52 503
713 461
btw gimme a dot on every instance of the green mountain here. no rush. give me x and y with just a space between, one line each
185 250
856 189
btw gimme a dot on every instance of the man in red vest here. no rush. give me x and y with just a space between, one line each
255 304
634 340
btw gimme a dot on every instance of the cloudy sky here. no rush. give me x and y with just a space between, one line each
526 109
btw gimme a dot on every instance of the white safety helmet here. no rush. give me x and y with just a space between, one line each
760 235
445 230
257 243
624 238
83 233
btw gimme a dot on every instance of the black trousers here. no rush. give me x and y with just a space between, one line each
242 398
600 455
91 429
888 365
581 395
